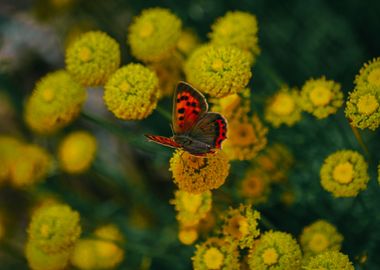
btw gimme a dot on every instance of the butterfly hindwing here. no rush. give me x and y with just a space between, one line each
188 106
163 140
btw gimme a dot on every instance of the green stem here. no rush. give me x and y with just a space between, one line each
360 140
164 113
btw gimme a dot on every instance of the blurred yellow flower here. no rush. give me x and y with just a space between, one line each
39 260
132 92
9 150
329 260
233 106
218 70
188 235
321 97
255 187
275 250
369 74
154 34
344 173
92 58
198 174
56 101
77 151
283 107
187 42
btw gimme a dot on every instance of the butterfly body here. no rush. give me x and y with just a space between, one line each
196 130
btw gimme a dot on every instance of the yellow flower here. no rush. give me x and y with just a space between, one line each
255 187
369 74
319 237
363 107
39 260
218 70
77 151
321 97
344 173
275 250
238 29
241 224
283 107
187 42
56 101
92 58
9 150
54 229
154 34
191 208
329 260
187 235
198 174
216 254
132 92
233 106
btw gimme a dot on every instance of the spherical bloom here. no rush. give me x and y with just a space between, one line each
369 74
363 107
216 253
319 237
54 229
56 101
329 260
218 70
198 174
255 187
77 151
321 97
187 42
92 58
187 235
9 150
233 106
275 250
241 224
132 92
154 34
191 208
39 260
238 29
283 107
344 173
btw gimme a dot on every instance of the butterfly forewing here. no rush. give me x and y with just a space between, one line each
163 140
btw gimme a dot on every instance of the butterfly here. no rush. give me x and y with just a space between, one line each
195 130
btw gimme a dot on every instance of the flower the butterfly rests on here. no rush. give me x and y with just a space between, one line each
195 130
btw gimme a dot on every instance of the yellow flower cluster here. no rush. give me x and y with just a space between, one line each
132 92
241 225
187 42
233 105
275 250
369 74
255 187
344 173
218 70
321 97
92 58
238 29
56 101
154 34
198 174
77 151
329 260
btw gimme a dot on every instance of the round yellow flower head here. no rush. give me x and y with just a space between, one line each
109 232
369 74
77 151
56 101
233 106
255 187
199 174
344 173
238 29
283 107
9 151
132 92
329 260
154 34
218 70
321 97
187 42
188 235
216 254
275 250
241 224
31 166
191 208
319 237
39 260
363 107
54 229
92 58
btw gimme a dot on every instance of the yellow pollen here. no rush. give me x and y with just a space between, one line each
48 95
270 256
343 173
374 77
318 242
217 65
85 54
124 86
44 230
191 202
367 104
320 96
213 258
283 104
146 30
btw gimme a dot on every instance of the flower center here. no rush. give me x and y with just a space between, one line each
343 173
270 256
374 77
191 202
320 95
253 186
217 65
146 30
367 104
85 54
318 242
241 134
213 258
45 230
283 104
48 94
124 86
